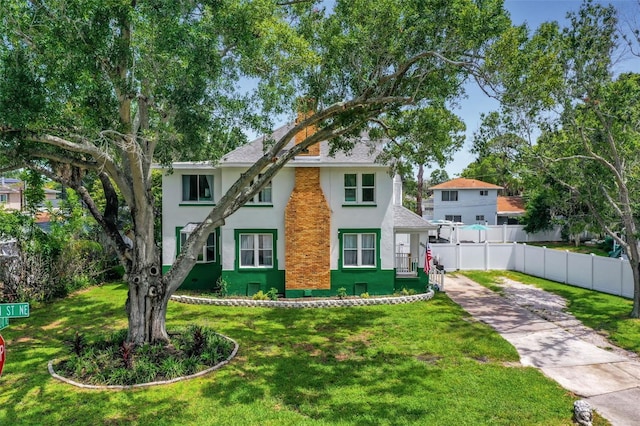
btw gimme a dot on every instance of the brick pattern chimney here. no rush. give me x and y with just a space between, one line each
307 224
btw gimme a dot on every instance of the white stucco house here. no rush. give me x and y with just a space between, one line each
324 222
466 201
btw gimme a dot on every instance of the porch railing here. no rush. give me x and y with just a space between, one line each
406 265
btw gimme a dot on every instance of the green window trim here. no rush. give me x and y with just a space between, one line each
201 204
378 259
258 205
359 205
236 236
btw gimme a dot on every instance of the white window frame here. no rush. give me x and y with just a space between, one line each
265 196
208 253
359 188
200 198
4 198
257 248
449 194
359 249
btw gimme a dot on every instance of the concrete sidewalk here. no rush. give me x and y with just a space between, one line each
608 381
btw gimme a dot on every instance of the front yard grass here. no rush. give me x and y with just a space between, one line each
602 312
423 363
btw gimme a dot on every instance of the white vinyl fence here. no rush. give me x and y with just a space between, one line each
497 234
608 275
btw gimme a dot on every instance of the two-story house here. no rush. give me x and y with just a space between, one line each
323 223
466 201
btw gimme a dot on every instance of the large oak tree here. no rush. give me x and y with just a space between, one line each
105 88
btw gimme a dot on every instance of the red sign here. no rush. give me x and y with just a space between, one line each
2 354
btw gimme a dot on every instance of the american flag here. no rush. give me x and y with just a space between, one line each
427 259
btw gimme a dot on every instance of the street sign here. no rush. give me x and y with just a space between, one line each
4 322
2 354
14 310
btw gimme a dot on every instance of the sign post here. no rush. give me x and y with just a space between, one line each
2 354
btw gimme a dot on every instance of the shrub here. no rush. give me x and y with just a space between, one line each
260 296
222 287
365 295
342 292
272 294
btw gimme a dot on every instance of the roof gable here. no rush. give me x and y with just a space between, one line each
464 183
364 152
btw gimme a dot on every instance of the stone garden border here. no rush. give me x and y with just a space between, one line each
301 304
143 385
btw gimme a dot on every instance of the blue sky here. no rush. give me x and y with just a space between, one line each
533 12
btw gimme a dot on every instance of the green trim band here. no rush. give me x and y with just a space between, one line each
258 205
196 204
359 205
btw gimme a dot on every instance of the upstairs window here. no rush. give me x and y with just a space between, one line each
197 188
484 192
208 252
264 196
480 218
453 217
449 195
359 188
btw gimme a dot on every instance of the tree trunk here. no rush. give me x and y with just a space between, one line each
420 185
146 308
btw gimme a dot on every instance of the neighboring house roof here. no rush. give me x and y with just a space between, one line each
510 206
464 183
364 152
404 220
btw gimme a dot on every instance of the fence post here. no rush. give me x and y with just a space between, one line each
504 233
524 258
566 266
458 256
593 256
544 262
486 255
621 275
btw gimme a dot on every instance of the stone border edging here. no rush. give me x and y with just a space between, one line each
326 303
142 385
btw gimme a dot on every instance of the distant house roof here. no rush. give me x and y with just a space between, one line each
364 152
406 220
510 206
464 183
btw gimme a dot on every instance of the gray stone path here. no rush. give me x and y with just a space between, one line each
548 338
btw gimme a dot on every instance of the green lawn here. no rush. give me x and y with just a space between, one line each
582 248
603 312
425 363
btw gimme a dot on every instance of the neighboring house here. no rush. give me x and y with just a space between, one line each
427 207
510 209
11 193
466 201
325 222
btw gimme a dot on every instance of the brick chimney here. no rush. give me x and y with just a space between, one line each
307 223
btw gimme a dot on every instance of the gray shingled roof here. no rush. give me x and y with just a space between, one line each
364 152
406 220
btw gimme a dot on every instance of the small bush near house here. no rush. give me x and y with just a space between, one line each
405 292
365 295
272 294
342 293
260 295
